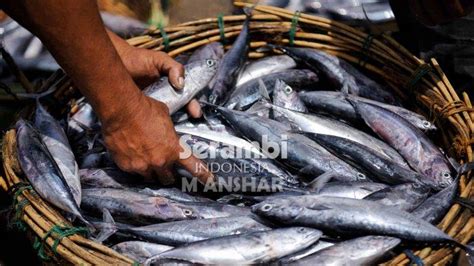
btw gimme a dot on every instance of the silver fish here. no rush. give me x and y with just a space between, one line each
334 103
300 154
182 232
353 190
56 141
418 150
84 118
250 92
350 217
140 251
197 76
142 208
259 247
284 96
323 125
230 66
436 206
107 178
42 171
265 66
405 197
365 250
213 50
305 252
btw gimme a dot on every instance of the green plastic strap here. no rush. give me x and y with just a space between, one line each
38 245
419 73
294 24
166 39
365 51
61 232
220 23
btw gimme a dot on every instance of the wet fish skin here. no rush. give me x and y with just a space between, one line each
324 63
302 155
198 74
349 217
353 190
334 103
418 150
230 66
174 194
142 208
107 178
213 50
183 232
365 250
321 244
367 159
265 66
248 93
140 251
57 143
258 247
435 207
323 125
284 96
84 118
368 88
42 172
405 197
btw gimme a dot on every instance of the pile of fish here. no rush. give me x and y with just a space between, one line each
332 168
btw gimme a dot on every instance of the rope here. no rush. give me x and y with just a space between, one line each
220 23
38 245
61 232
365 50
17 189
294 24
413 258
166 39
419 73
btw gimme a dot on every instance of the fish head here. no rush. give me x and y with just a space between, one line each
279 209
443 179
426 125
298 236
200 72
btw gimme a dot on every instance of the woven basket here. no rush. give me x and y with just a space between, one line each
422 84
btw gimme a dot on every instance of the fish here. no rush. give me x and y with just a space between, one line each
368 88
353 190
321 244
417 149
230 65
42 171
183 232
57 143
252 248
140 251
324 63
107 178
284 96
364 157
212 123
293 150
141 208
213 50
197 76
350 217
334 103
366 250
265 66
322 125
405 197
435 207
249 93
173 194
84 118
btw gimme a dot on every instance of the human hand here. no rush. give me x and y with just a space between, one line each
142 140
146 66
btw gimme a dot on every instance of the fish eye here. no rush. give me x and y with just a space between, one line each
301 230
210 62
361 176
447 175
187 212
266 207
288 90
426 124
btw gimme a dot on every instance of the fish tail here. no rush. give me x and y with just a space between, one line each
89 226
107 228
263 90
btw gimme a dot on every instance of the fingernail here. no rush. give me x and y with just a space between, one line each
180 83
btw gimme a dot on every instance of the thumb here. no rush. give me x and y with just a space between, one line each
174 70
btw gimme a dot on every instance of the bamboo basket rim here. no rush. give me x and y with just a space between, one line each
383 56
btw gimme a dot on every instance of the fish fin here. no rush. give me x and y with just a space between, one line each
465 203
319 182
463 169
414 259
345 88
262 88
108 228
320 208
249 10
